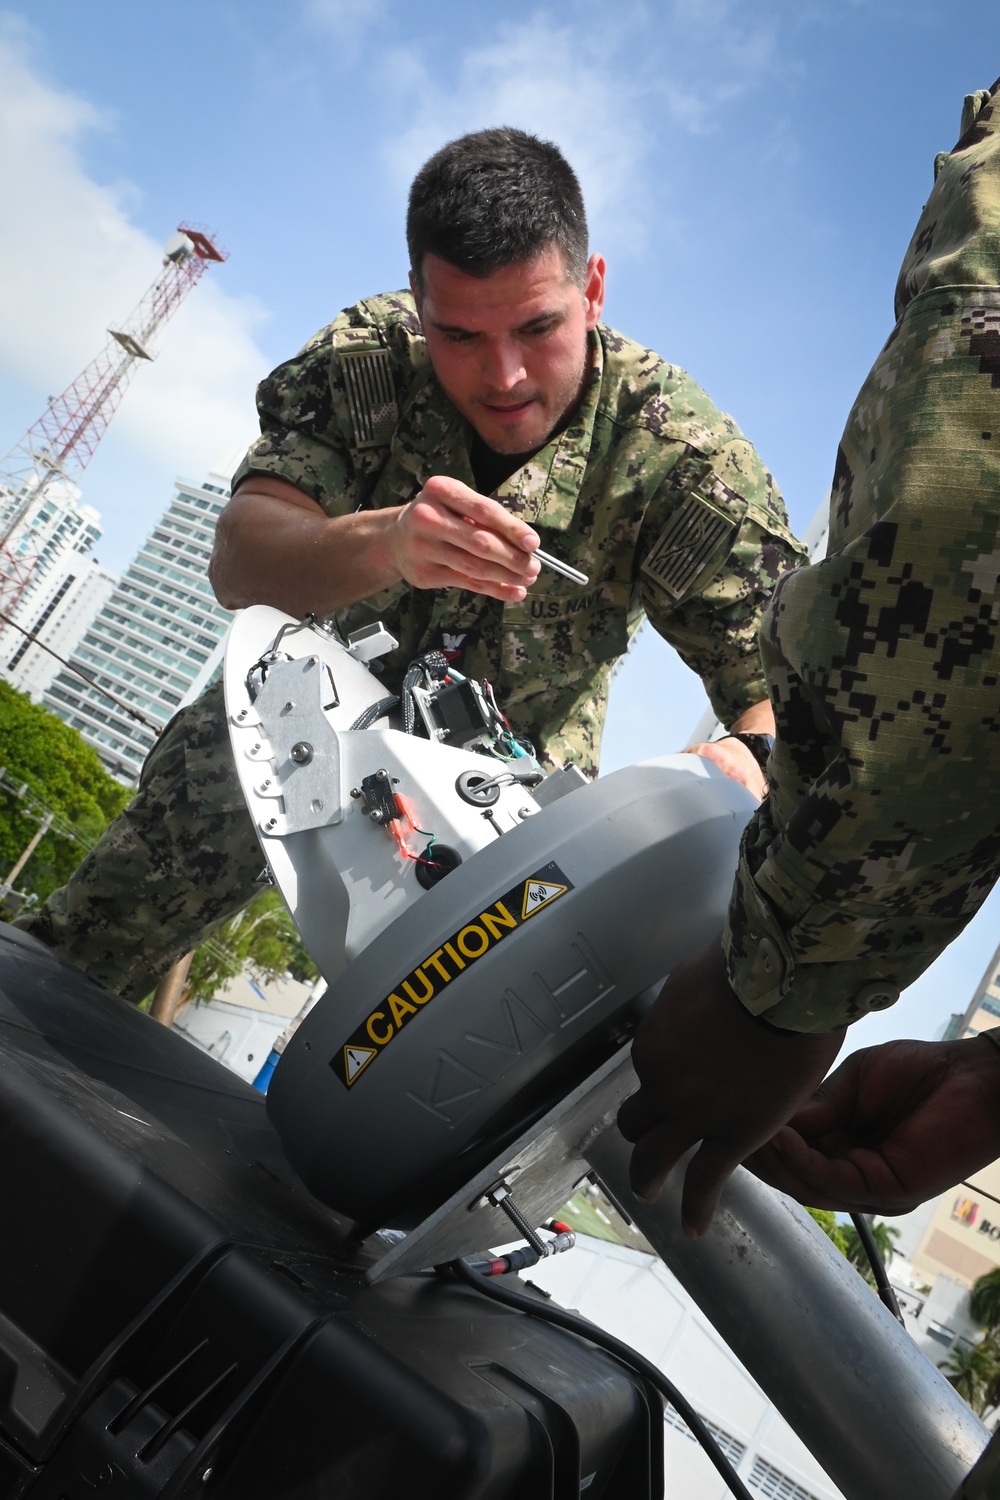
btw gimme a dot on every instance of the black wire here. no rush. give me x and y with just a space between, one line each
511 777
882 1283
70 666
411 677
375 711
628 1356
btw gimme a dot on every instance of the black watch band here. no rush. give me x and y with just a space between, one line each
759 745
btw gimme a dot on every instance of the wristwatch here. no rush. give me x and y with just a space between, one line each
759 745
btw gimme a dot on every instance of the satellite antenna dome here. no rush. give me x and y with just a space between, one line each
177 248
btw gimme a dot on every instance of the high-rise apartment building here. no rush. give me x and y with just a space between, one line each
983 1010
55 536
156 642
55 615
53 523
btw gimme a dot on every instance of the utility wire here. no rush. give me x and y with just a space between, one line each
631 1358
38 811
133 713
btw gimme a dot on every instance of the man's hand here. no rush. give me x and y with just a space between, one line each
732 756
450 537
893 1126
710 1073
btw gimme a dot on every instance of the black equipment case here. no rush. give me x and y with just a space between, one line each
179 1317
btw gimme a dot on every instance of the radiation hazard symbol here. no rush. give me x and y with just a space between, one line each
356 1060
538 893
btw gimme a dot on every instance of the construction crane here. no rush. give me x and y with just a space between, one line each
64 439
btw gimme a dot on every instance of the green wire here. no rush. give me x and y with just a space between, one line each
426 856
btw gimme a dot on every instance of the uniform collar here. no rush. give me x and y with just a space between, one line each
545 491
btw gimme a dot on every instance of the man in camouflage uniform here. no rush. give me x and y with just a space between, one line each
881 834
365 498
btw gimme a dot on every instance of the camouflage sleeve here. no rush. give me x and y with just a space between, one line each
315 432
707 573
301 440
881 835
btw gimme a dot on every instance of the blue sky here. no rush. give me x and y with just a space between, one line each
753 171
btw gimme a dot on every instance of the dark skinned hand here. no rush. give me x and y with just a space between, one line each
893 1126
710 1073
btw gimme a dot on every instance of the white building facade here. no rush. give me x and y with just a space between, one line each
157 641
240 1025
56 615
54 538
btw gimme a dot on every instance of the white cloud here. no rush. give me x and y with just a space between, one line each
542 77
344 21
72 262
614 104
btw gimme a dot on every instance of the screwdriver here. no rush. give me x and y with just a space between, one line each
573 574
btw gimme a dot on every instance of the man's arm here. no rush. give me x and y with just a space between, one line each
274 545
881 834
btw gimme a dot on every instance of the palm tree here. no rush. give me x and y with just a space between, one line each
974 1371
883 1234
984 1300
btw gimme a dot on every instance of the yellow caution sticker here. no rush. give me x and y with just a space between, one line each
356 1059
434 973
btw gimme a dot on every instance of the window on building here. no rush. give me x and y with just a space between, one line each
774 1485
941 1333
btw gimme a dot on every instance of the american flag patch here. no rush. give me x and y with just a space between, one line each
686 544
371 398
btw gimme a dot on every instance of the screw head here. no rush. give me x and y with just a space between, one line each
301 752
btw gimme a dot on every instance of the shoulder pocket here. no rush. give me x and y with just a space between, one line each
695 540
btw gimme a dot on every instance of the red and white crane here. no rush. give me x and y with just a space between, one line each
62 442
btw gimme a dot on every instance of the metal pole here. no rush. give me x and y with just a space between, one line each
40 833
877 1415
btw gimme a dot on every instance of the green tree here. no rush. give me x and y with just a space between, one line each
827 1221
883 1234
984 1300
64 776
262 938
974 1371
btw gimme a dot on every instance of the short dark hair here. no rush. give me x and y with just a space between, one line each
493 198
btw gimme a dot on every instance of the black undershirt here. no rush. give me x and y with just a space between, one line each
490 469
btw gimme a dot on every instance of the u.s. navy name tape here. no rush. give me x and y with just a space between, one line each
529 896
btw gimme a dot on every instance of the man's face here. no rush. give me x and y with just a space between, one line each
510 349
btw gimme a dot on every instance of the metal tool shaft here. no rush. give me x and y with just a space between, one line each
560 567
